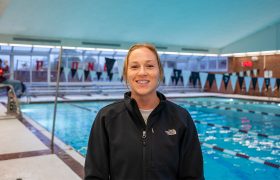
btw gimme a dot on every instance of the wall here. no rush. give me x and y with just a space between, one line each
271 62
264 40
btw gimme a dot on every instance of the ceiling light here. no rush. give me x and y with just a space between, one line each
86 49
3 44
239 54
21 45
226 55
186 54
68 47
253 53
43 46
103 49
268 52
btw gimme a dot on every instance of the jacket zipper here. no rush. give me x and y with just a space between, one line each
144 136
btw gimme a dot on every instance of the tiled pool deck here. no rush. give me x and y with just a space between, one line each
25 151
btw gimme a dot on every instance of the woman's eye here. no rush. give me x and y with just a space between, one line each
133 67
150 66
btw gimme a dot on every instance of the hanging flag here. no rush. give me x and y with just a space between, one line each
98 74
104 76
248 72
90 66
167 75
210 79
60 71
203 78
272 83
254 81
66 71
80 73
255 72
247 83
226 80
260 83
75 64
186 77
241 74
73 72
194 77
267 82
234 73
218 78
240 80
233 79
86 73
120 63
110 76
177 75
109 64
278 83
93 75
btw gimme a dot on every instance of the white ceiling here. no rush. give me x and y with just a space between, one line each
201 24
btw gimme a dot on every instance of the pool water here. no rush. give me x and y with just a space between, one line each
74 121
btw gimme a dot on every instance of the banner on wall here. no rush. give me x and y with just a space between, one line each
248 72
241 74
80 73
98 74
90 66
93 75
254 82
66 71
233 79
247 83
226 80
177 75
86 73
240 81
211 78
194 77
186 76
255 72
75 65
60 71
267 82
167 75
73 72
203 78
120 63
109 64
219 78
272 83
278 83
260 83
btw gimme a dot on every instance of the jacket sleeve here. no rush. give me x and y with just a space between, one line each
97 158
191 160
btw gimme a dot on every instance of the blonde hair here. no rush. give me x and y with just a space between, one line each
138 46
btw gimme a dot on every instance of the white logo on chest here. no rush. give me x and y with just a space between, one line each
171 132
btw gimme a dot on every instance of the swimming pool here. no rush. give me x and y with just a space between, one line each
240 138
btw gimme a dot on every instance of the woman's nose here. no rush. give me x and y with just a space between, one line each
142 70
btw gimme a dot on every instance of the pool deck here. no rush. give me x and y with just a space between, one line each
25 151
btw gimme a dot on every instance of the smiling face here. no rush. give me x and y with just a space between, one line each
142 73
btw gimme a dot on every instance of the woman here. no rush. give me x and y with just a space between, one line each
143 136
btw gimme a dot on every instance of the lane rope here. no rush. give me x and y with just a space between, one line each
237 130
241 155
203 105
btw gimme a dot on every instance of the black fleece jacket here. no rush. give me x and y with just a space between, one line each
122 147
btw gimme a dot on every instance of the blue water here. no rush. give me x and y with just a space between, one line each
74 121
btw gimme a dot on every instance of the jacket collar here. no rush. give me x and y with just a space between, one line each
134 111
